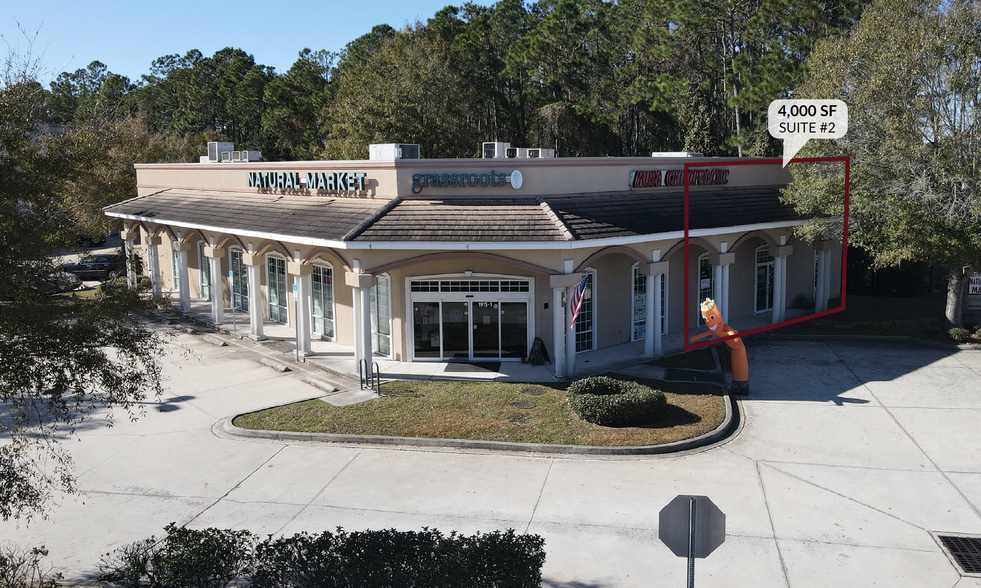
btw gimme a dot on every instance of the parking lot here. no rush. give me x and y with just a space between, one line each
850 456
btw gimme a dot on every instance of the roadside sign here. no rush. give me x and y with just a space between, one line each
710 526
691 526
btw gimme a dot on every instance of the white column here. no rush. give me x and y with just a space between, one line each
366 351
724 309
153 259
361 284
658 319
217 290
570 333
302 306
778 286
558 333
130 273
717 286
184 289
252 264
651 317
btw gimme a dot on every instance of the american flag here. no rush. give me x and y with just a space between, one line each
578 294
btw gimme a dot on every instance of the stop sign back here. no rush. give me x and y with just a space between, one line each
674 524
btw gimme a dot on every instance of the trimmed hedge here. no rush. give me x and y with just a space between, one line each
609 402
600 385
370 559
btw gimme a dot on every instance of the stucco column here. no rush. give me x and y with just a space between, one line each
780 281
301 279
214 256
563 338
821 303
722 261
569 280
361 285
558 332
128 235
181 247
253 264
652 331
153 260
717 285
570 333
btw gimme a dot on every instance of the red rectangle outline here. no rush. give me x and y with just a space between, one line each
844 247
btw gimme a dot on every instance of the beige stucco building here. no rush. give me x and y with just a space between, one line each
472 259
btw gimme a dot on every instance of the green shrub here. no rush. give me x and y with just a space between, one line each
599 385
636 404
959 334
208 558
386 558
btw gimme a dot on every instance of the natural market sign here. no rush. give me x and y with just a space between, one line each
659 178
974 292
319 181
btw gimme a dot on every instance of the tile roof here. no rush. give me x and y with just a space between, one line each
462 219
620 215
301 216
547 219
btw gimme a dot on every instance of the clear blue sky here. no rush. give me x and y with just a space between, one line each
128 36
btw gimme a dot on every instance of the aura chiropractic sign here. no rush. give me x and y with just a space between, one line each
491 179
658 178
322 181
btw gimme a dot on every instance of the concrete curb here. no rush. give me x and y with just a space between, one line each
274 364
729 423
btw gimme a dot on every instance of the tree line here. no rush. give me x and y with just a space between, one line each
585 77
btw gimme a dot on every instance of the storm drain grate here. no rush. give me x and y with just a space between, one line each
523 404
535 391
966 551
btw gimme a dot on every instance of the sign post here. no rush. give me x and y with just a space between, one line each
691 526
231 290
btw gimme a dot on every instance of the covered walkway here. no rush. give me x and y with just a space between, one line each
340 359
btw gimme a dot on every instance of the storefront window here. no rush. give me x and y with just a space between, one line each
381 316
323 301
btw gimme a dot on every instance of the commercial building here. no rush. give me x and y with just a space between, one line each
472 259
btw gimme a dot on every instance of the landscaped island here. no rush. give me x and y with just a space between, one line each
496 411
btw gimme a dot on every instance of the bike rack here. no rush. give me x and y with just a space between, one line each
369 376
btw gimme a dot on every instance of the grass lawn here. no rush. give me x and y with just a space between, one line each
486 411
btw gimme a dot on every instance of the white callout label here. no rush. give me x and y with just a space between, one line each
799 121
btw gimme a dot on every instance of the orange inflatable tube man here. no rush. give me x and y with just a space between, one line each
740 365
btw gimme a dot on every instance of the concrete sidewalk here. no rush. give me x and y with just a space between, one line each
851 455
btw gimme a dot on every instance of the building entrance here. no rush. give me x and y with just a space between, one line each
460 326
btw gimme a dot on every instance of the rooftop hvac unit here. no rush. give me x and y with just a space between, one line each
226 156
516 153
251 155
676 154
393 151
236 156
495 150
541 153
215 149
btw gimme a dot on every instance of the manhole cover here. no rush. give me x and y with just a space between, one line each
523 404
535 391
966 551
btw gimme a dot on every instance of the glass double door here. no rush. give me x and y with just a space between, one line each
472 330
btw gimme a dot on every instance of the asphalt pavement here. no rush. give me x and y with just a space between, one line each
849 458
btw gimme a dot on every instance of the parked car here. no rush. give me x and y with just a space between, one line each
57 282
96 267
